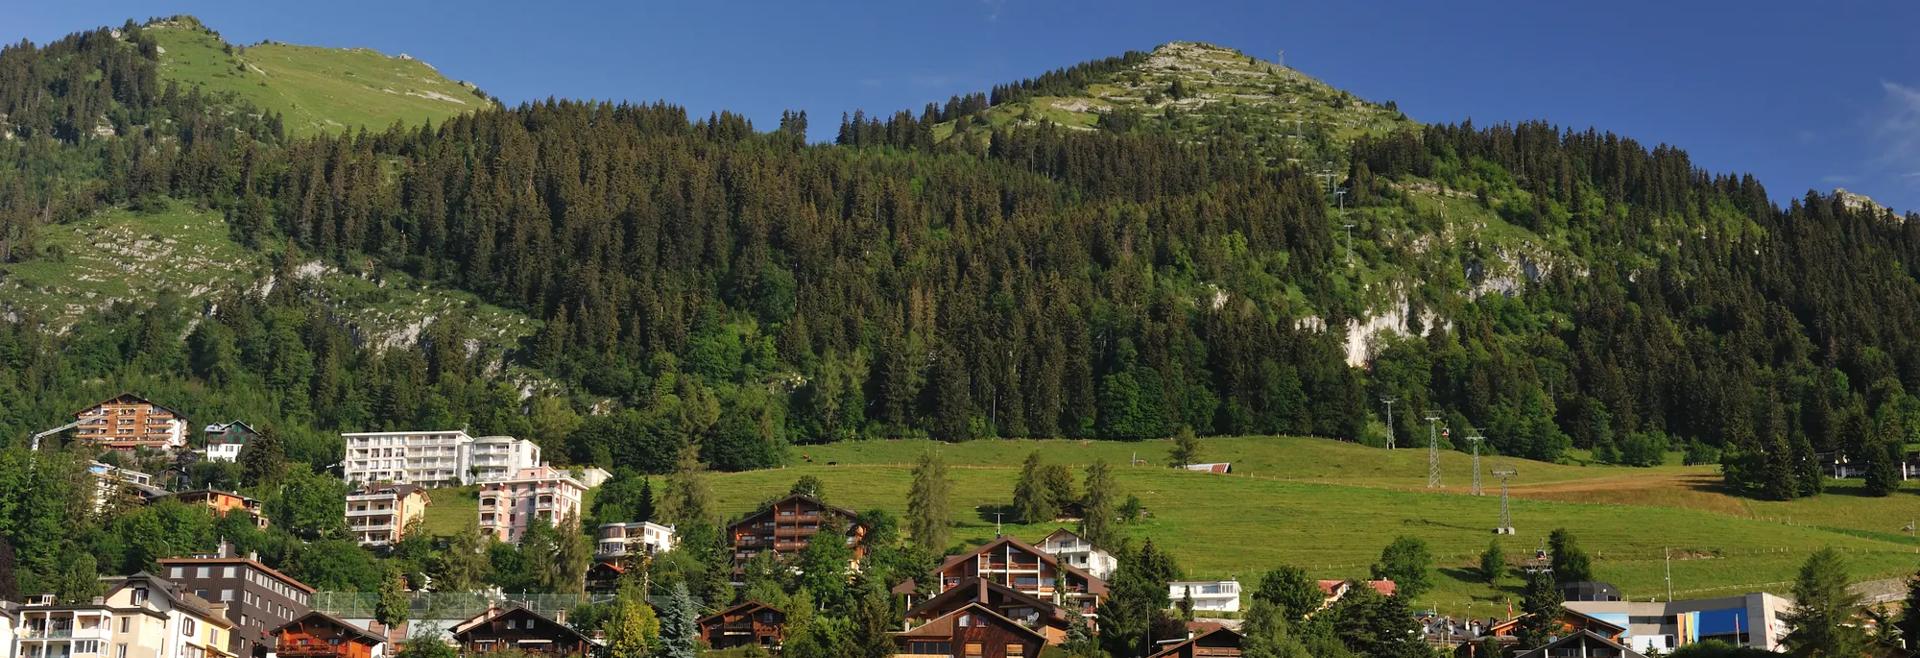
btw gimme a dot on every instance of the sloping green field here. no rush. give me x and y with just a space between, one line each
314 89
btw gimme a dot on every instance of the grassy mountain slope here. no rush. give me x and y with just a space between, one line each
1330 506
135 255
314 89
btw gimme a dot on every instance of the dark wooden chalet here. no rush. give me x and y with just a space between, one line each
1220 642
749 623
1033 612
521 629
973 631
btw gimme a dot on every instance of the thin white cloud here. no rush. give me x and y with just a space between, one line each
993 8
1896 127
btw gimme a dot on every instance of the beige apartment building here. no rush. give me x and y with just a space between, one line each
141 616
379 514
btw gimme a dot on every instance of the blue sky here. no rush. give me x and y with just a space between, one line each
1802 94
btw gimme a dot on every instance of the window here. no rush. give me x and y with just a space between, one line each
1016 650
187 626
510 623
139 596
124 621
179 572
226 595
206 572
120 650
229 572
976 650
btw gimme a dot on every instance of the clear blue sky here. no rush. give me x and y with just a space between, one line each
1802 94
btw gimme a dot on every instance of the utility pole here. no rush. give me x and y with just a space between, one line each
1667 554
1475 440
1433 450
1506 514
1389 400
996 525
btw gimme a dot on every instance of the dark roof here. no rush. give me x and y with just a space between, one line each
942 627
467 628
1094 584
1175 648
1589 590
290 580
970 589
1574 638
136 398
842 511
401 490
738 607
176 595
369 636
230 425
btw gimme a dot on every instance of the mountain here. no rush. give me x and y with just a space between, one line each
1115 250
313 89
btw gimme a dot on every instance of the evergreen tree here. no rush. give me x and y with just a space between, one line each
1407 563
1185 450
689 499
1540 602
392 608
624 498
1570 563
872 620
1032 501
1821 620
566 569
928 515
263 460
1293 593
1378 626
1883 452
1493 563
1097 509
679 625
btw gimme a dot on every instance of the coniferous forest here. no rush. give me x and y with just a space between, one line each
702 281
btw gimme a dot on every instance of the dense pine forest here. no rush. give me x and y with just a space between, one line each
701 282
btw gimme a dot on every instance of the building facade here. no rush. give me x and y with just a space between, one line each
1216 643
380 514
751 623
141 616
622 542
788 525
541 494
113 484
521 629
1752 620
224 440
1070 548
428 459
258 598
224 502
1208 595
1023 568
128 422
320 635
1044 617
973 631
492 458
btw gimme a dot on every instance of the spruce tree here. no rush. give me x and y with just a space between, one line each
1571 564
1541 605
1032 501
1185 450
1493 563
1821 620
1097 509
928 515
679 625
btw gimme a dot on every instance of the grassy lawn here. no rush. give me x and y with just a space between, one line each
314 89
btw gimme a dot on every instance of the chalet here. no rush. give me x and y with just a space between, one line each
127 422
787 526
520 629
973 631
1050 620
224 440
223 502
1077 551
604 577
320 635
1585 644
1218 642
747 624
1021 567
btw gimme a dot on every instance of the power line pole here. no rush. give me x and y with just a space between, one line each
1506 514
1389 400
1433 450
1475 440
1667 554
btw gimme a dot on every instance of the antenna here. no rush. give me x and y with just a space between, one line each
1475 440
1506 514
1389 400
1433 450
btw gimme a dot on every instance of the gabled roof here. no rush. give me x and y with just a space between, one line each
132 398
742 607
313 615
1575 639
852 518
229 426
1094 584
468 627
1590 622
1174 649
969 590
942 627
250 562
175 594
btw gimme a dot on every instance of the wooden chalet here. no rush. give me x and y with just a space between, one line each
1021 567
746 624
127 422
320 635
521 629
1585 644
786 526
972 631
1219 642
1050 620
604 577
1507 633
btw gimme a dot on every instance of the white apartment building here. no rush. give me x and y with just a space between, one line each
142 616
1208 595
499 457
619 541
540 494
1070 548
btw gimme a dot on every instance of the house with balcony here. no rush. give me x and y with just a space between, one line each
1042 616
257 598
320 635
1024 568
115 485
520 629
785 527
491 458
1208 595
224 440
542 494
381 514
1217 642
223 503
141 616
1074 550
751 623
973 631
127 422
425 458
623 542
